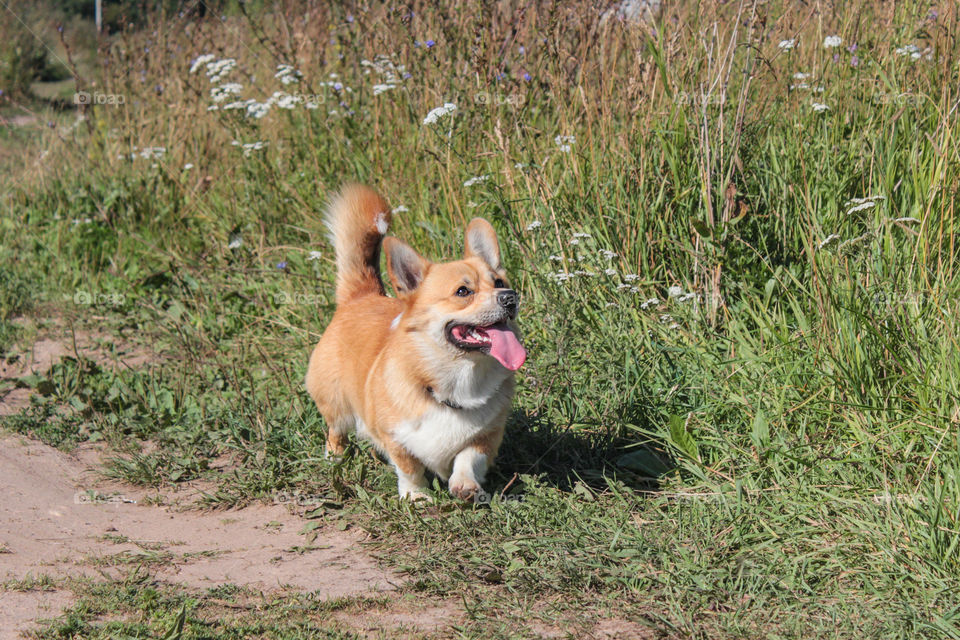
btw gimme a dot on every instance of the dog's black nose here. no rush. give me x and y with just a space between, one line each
509 300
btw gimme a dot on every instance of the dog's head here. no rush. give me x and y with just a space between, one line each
466 306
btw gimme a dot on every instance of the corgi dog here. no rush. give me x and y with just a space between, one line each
428 375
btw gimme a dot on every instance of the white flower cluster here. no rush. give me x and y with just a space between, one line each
819 107
217 70
399 209
832 42
435 115
287 74
536 224
224 91
564 143
389 72
477 180
914 52
250 147
786 45
148 153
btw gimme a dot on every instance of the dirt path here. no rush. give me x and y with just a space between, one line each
49 526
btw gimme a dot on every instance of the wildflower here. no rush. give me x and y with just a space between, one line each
911 50
819 107
786 45
564 143
476 180
555 258
258 109
221 93
907 219
202 60
582 235
284 100
674 292
314 255
287 74
382 88
249 147
862 207
236 241
831 42
188 166
527 78
687 296
828 240
429 43
534 225
622 286
800 75
282 265
855 61
610 272
611 304
217 71
447 109
799 85
148 153
631 277
609 255
646 304
574 241
399 209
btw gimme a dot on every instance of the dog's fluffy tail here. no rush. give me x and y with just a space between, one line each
357 218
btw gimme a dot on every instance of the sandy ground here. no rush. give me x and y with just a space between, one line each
58 518
49 526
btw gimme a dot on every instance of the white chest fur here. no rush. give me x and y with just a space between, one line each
437 436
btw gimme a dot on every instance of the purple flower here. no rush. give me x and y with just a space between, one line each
429 43
522 50
349 17
854 61
852 47
407 75
526 77
836 57
282 264
337 86
933 15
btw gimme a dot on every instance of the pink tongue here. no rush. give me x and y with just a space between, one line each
505 347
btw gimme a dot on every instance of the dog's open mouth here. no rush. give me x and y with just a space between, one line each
498 340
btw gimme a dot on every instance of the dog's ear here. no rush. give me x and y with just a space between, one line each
481 241
405 266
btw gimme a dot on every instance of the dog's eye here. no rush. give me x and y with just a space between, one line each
463 292
499 284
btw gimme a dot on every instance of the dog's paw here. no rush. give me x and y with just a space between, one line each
465 489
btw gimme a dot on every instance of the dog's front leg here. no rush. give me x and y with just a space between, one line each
411 483
469 472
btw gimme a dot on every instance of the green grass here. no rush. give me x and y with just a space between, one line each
747 427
